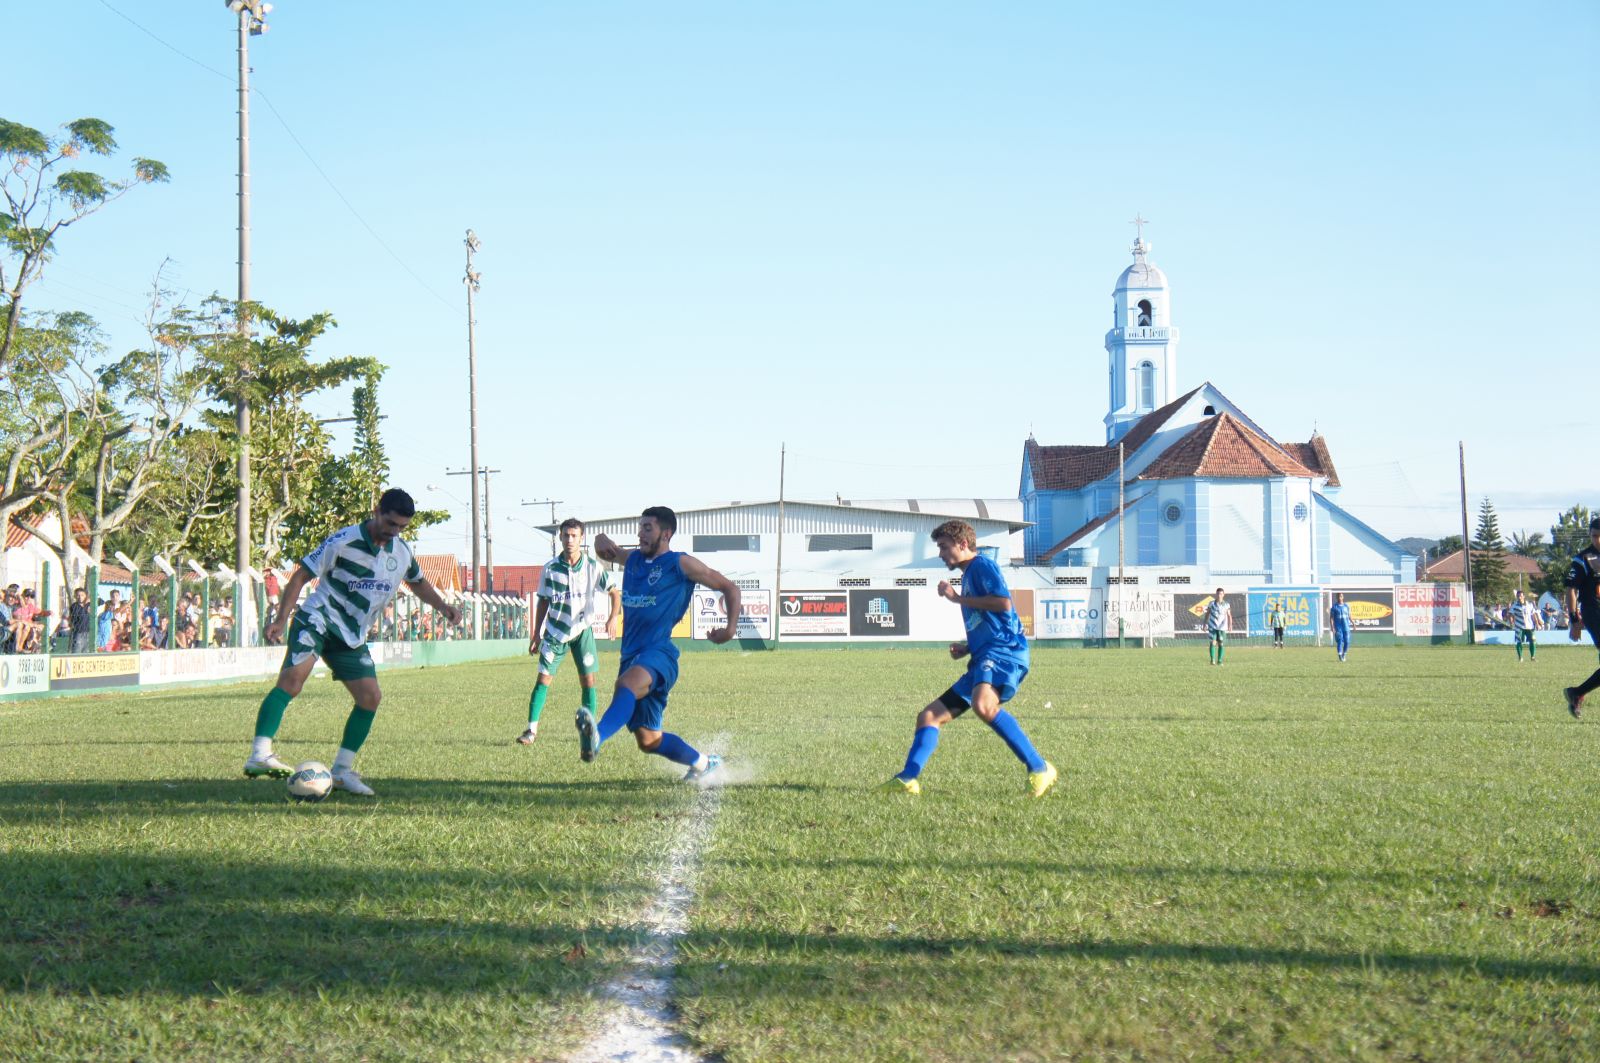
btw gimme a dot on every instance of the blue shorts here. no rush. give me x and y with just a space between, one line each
1005 674
650 710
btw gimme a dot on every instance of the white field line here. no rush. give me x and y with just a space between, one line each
639 1027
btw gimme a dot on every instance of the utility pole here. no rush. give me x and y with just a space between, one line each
477 530
471 281
1466 548
555 546
777 582
488 535
252 23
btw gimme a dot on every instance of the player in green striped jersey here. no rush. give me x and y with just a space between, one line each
358 571
569 592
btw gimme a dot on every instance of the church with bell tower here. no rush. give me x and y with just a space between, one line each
1187 486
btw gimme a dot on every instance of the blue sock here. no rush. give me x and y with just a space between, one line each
618 713
676 750
922 746
1006 726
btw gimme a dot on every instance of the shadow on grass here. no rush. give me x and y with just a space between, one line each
131 925
813 964
55 802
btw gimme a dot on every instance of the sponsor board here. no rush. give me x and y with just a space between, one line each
1144 614
24 674
1299 605
814 613
1067 614
1189 613
1426 609
1371 608
181 666
96 670
1022 604
755 614
879 613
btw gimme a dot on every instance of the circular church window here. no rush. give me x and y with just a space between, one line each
1173 513
1300 511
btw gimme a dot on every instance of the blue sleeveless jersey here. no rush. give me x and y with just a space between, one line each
991 633
655 595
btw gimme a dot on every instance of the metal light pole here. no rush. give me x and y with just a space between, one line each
252 22
488 535
471 281
555 547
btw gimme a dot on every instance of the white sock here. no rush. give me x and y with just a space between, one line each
261 748
703 763
533 728
344 759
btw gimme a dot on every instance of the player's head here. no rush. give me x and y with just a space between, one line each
571 533
1341 597
1519 594
1221 594
656 526
957 542
394 511
1594 530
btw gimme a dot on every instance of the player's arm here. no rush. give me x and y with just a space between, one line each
697 572
288 601
1574 622
430 595
538 624
986 603
608 551
615 616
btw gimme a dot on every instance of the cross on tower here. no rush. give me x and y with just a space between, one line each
1139 222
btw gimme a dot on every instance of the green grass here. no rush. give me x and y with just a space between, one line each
1283 859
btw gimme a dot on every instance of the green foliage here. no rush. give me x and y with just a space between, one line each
1491 584
1568 536
1529 544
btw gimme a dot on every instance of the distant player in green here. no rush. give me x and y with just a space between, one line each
569 592
1219 621
1275 622
1583 607
358 571
1524 620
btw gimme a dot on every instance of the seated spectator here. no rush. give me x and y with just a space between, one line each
146 638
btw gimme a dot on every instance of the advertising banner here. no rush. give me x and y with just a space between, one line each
24 674
1371 609
875 613
814 613
1426 609
1022 603
1189 613
98 670
1299 605
755 614
1067 614
1145 614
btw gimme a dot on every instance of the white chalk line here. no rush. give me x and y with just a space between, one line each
640 1028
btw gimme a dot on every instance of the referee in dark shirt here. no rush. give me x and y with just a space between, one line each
1583 607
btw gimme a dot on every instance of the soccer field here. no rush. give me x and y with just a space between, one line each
1284 858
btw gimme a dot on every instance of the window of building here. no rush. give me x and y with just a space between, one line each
911 581
818 544
711 544
1147 386
854 581
1072 581
1172 513
1300 511
1146 313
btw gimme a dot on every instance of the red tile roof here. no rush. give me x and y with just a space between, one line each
1068 468
1448 568
1221 447
441 570
1314 456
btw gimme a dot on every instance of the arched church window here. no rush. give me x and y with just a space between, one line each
1147 386
1145 313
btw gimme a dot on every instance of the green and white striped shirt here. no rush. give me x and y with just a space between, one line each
355 580
573 591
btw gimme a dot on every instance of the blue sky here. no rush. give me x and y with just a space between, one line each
882 233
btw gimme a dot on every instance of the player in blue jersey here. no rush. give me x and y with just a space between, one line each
1339 613
999 662
657 586
1583 607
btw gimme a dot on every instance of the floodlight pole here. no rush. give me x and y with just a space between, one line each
777 580
1466 549
471 281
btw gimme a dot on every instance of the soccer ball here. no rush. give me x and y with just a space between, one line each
311 781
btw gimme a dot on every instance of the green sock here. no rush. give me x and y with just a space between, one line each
356 728
536 701
1219 652
591 698
270 716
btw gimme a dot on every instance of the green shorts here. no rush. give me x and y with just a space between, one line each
345 662
587 657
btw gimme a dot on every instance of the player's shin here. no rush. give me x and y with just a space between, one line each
536 702
356 729
269 718
618 713
1006 726
677 750
923 743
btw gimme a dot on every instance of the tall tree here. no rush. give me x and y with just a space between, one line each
44 195
1490 582
1568 535
1529 544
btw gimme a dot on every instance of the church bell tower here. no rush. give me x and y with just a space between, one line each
1142 343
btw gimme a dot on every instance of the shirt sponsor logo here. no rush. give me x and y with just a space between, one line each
639 601
381 585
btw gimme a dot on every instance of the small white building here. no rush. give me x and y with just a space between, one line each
25 558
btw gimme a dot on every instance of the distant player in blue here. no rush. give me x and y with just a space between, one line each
1583 608
1340 614
999 653
657 587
